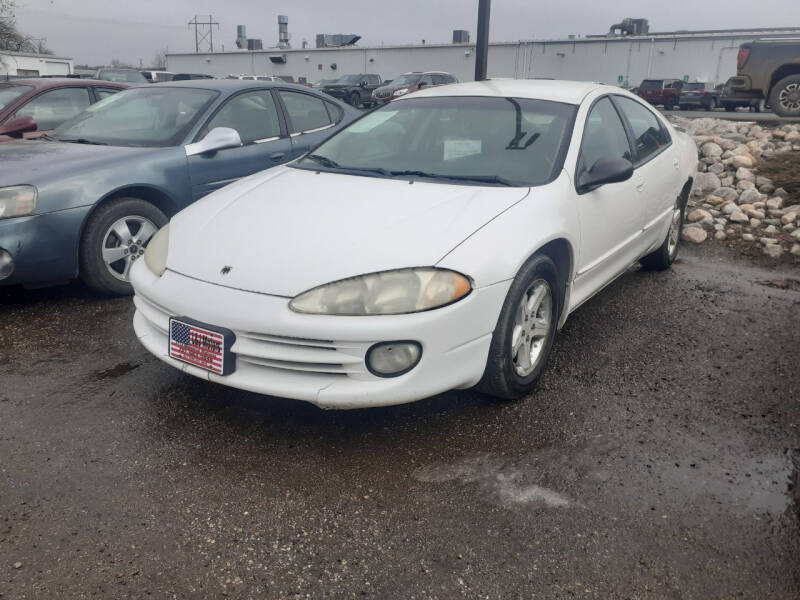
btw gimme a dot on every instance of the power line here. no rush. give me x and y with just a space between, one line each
203 32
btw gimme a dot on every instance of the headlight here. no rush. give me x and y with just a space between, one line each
17 201
387 293
155 255
400 92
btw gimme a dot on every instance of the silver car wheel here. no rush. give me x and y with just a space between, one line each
674 232
124 242
531 331
789 97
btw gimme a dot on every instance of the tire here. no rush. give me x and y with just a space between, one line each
663 256
683 107
669 107
507 375
712 105
784 98
354 99
729 108
106 232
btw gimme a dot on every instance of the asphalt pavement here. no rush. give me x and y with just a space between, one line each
658 459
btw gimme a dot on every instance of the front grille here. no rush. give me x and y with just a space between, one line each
383 94
278 352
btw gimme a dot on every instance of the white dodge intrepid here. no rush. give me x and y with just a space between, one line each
436 243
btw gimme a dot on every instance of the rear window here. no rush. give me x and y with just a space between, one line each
694 87
651 84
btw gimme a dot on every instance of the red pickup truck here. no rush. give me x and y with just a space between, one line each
663 92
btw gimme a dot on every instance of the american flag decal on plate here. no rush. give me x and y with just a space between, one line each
201 345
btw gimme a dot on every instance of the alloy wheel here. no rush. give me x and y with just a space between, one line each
531 331
674 231
124 243
789 97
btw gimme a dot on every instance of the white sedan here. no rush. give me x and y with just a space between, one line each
437 243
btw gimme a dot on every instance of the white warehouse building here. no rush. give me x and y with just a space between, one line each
24 64
708 56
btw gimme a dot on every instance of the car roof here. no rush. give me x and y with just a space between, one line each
228 85
48 82
570 92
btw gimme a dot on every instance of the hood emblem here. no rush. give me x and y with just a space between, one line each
225 270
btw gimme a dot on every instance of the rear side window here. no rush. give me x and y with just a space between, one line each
52 108
335 112
105 92
651 84
649 135
603 136
305 111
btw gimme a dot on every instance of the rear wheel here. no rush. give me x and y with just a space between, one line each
115 237
663 257
712 104
525 331
785 97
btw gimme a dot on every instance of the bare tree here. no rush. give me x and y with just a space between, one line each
12 38
159 60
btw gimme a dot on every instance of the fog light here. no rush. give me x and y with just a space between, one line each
390 359
6 264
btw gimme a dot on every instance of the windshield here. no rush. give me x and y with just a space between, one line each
651 84
151 116
502 141
694 87
349 79
409 79
9 93
121 76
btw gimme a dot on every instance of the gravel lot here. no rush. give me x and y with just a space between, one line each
658 460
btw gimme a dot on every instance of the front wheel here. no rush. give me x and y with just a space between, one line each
663 257
525 331
712 105
354 99
115 237
785 97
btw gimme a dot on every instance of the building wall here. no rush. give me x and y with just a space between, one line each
710 58
17 64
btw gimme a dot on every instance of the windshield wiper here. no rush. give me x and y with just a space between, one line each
480 178
83 141
47 137
332 164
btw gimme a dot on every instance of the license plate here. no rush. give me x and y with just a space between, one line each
202 345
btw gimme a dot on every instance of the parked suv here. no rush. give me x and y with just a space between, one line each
699 95
410 82
354 89
664 92
769 70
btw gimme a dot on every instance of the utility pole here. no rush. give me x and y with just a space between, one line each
482 42
203 32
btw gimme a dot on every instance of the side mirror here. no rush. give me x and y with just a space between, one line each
605 170
218 138
422 84
363 83
18 125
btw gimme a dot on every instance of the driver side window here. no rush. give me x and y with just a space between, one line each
603 136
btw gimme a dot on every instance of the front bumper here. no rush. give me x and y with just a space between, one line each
43 247
320 358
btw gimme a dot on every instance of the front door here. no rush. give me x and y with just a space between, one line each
610 216
254 115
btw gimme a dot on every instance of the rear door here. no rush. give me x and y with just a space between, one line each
254 114
309 119
657 170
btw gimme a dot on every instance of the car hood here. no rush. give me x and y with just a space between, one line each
34 161
288 230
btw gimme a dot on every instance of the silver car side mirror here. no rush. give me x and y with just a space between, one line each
218 138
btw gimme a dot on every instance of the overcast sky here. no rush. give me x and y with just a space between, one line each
96 31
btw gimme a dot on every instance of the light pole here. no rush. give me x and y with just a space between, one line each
482 42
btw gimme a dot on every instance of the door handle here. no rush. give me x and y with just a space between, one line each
639 186
676 163
277 155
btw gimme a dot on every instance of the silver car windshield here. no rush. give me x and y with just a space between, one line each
154 116
492 140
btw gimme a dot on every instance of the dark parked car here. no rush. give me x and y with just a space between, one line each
661 92
86 200
698 95
731 101
32 107
190 76
410 82
354 89
130 76
769 71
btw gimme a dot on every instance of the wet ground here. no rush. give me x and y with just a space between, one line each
657 460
